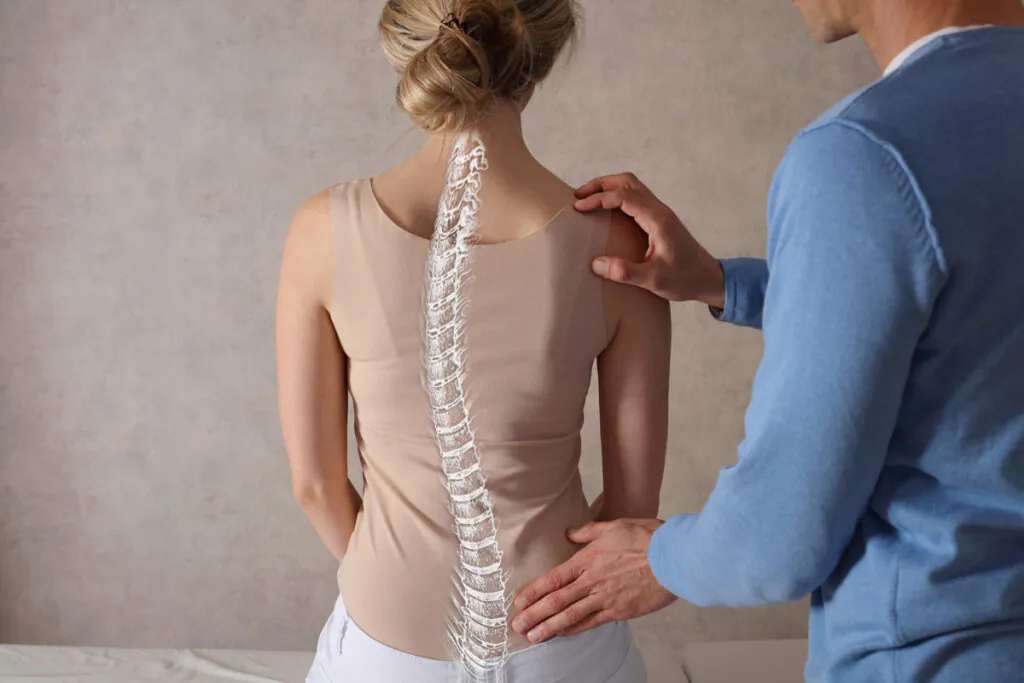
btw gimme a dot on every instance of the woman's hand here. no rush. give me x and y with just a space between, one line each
676 267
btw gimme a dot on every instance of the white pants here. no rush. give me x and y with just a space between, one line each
606 654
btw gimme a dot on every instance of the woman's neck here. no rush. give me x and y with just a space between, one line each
409 192
501 131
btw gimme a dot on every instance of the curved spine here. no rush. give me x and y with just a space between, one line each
478 629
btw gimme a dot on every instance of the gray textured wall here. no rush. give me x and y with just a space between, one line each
151 155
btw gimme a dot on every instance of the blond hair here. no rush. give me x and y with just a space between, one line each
457 57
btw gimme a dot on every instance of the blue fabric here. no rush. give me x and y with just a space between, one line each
745 283
883 466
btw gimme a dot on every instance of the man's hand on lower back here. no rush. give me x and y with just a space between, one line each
607 580
676 266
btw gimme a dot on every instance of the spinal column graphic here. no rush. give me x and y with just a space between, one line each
478 629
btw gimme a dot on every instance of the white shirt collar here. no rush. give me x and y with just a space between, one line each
902 57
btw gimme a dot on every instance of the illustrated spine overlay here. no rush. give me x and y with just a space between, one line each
478 629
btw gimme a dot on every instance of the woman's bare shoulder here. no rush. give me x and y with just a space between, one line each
625 238
307 263
313 211
626 303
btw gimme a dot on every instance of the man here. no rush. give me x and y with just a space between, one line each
883 465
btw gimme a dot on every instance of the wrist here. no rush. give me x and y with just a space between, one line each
712 292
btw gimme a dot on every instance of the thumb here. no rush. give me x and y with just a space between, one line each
621 270
587 533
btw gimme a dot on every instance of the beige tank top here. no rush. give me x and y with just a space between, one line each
535 327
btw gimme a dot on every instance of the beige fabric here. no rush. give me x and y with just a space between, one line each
536 325
763 661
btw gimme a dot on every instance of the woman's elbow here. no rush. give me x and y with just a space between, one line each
309 492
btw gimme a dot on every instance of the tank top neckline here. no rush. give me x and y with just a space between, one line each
547 227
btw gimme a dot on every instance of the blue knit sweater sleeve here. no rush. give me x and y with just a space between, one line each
745 282
855 270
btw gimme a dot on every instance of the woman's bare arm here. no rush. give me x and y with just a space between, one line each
312 391
633 374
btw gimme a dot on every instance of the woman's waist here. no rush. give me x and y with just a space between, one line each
492 432
400 578
519 474
416 531
415 512
590 656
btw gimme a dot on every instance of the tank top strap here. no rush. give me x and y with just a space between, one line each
378 270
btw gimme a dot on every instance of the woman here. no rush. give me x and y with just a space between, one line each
454 302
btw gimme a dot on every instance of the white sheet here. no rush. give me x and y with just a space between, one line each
35 664
776 661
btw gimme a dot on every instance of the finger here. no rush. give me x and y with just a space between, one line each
648 213
624 198
620 270
609 199
549 606
606 183
589 188
588 532
560 576
565 619
593 621
643 208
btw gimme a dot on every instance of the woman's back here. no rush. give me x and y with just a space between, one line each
466 331
535 324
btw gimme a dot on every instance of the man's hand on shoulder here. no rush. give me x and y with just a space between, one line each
676 267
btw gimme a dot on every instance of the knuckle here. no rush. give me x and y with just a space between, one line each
577 570
660 216
669 217
586 557
618 271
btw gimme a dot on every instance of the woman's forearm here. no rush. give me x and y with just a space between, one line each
333 511
613 504
597 509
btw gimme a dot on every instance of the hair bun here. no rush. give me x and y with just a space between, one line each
456 57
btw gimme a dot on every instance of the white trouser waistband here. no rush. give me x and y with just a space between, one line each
345 654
